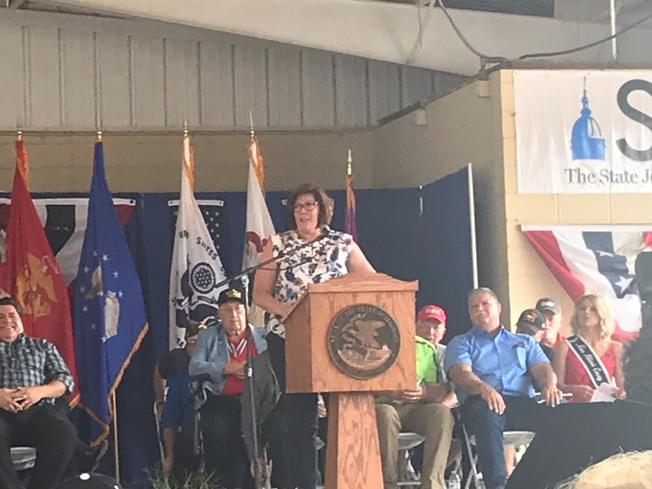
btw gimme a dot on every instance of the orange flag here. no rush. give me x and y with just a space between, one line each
30 272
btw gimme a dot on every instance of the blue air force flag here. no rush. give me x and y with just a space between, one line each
196 266
110 318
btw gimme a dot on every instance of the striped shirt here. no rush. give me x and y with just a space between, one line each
28 361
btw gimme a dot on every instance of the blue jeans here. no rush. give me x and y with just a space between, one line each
521 413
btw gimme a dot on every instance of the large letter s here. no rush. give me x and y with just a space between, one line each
635 115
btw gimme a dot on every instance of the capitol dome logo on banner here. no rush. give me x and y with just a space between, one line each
587 142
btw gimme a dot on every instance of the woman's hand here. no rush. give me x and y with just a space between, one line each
285 308
583 393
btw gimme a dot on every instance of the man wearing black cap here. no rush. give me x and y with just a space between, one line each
219 363
551 311
532 323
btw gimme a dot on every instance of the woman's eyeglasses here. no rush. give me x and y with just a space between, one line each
308 206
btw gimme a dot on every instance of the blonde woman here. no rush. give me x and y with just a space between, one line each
590 357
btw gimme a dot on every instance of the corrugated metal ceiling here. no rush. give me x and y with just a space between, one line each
542 8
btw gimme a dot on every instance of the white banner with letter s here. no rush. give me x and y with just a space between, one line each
583 131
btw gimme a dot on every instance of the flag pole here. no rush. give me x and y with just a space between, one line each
252 133
349 164
21 159
116 448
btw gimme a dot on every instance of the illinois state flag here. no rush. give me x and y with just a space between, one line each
196 266
259 226
31 274
596 260
110 318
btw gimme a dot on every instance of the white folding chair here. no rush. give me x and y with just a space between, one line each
158 413
407 441
521 439
23 458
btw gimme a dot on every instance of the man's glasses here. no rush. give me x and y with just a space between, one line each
308 206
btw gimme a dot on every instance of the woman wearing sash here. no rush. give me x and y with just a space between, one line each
590 357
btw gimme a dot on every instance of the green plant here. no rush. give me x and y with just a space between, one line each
191 480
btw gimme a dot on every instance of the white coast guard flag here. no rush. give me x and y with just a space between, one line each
196 266
259 225
596 260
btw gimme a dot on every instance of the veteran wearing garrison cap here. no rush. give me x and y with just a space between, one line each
219 363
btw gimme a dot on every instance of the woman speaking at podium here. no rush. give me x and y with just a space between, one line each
309 252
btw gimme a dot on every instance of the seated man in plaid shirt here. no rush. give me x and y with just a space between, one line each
32 375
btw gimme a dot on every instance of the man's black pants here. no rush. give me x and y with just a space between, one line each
224 449
291 429
48 430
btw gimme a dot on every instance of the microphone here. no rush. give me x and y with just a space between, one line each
324 230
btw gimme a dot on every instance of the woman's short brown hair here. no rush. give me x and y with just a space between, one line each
321 197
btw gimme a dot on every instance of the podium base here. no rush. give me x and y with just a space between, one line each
352 449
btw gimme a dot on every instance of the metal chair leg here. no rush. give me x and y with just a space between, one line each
473 460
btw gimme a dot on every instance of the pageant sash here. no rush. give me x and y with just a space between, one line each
590 361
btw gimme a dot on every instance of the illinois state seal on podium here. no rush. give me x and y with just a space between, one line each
363 341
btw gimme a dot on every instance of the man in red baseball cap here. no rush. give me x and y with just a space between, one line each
431 325
421 410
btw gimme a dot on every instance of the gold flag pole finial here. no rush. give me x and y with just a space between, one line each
349 164
98 135
185 127
252 133
19 129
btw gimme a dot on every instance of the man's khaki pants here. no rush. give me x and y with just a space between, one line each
432 421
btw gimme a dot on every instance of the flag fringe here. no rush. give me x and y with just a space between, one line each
112 391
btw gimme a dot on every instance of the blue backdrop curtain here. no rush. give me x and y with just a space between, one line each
445 252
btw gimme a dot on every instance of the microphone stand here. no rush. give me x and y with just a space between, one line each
281 256
243 277
258 476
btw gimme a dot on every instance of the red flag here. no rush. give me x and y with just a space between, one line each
31 274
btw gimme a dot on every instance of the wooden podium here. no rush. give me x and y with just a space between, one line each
316 361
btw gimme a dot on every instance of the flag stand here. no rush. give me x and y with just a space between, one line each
116 448
261 478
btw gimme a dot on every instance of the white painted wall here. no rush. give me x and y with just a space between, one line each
70 73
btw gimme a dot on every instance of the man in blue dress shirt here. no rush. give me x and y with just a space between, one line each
494 369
